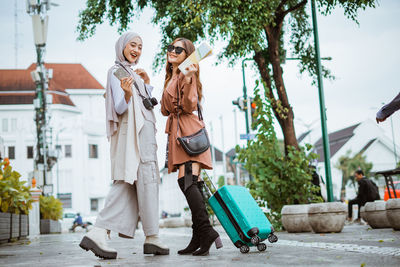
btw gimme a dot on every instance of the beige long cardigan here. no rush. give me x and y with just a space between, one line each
124 147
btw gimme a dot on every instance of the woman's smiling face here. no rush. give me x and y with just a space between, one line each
173 57
133 50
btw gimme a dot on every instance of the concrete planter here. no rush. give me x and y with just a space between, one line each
23 226
295 218
393 212
14 226
375 213
327 217
50 226
174 222
5 227
188 221
362 214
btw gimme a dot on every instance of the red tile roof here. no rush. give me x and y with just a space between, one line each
17 87
71 76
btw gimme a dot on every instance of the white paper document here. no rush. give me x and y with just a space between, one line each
201 52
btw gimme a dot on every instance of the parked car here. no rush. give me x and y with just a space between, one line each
397 189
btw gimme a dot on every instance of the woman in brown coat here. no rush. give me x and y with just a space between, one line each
187 88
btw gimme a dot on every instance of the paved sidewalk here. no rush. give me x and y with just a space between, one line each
355 246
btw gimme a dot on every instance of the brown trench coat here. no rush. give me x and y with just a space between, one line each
189 123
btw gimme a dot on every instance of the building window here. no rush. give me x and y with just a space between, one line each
66 200
93 151
11 152
68 151
4 124
13 125
94 204
29 152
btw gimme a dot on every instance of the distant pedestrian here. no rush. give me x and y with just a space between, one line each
134 168
388 109
77 222
316 181
367 192
181 98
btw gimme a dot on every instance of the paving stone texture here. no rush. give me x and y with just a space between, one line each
356 245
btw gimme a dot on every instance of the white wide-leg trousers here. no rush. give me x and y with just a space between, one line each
125 203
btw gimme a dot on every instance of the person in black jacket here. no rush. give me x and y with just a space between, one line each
367 191
388 109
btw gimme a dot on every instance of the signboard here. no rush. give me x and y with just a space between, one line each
247 136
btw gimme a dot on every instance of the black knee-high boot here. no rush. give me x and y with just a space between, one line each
195 241
200 217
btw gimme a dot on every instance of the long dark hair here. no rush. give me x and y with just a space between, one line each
189 49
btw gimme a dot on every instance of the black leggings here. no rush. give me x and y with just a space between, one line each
351 203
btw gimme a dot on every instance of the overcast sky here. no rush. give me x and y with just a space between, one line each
365 62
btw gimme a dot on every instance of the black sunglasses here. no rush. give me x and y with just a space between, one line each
177 49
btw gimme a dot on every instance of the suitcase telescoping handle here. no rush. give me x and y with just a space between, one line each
208 184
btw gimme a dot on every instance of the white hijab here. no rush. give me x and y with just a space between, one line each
111 115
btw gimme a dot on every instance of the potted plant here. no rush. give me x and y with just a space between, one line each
50 212
15 202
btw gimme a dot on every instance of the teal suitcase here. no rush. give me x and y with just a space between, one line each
241 217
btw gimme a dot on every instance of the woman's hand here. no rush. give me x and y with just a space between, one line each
143 74
126 85
190 71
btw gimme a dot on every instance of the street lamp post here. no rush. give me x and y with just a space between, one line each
325 139
246 101
37 9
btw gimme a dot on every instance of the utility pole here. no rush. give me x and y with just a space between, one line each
37 9
223 149
325 139
236 143
213 151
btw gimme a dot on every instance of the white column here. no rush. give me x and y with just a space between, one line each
34 213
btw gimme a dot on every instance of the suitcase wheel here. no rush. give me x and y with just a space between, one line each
244 249
255 240
272 238
261 247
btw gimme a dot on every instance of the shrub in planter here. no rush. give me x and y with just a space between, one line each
50 212
15 200
15 196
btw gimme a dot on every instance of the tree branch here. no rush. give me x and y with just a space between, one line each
282 3
302 3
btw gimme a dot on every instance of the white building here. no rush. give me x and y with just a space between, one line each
365 137
81 178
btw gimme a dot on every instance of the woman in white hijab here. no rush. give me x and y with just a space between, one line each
130 124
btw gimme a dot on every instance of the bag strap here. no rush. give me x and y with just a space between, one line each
199 113
135 84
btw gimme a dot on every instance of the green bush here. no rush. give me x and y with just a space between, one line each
50 208
221 181
15 197
278 179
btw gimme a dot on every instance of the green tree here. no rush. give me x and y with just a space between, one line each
249 28
278 180
221 181
348 165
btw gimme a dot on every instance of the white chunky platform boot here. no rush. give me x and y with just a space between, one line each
153 245
96 241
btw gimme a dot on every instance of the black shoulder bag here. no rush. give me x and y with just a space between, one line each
196 143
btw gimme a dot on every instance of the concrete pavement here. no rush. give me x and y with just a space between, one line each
355 246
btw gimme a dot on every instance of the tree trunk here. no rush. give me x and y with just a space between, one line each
280 106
